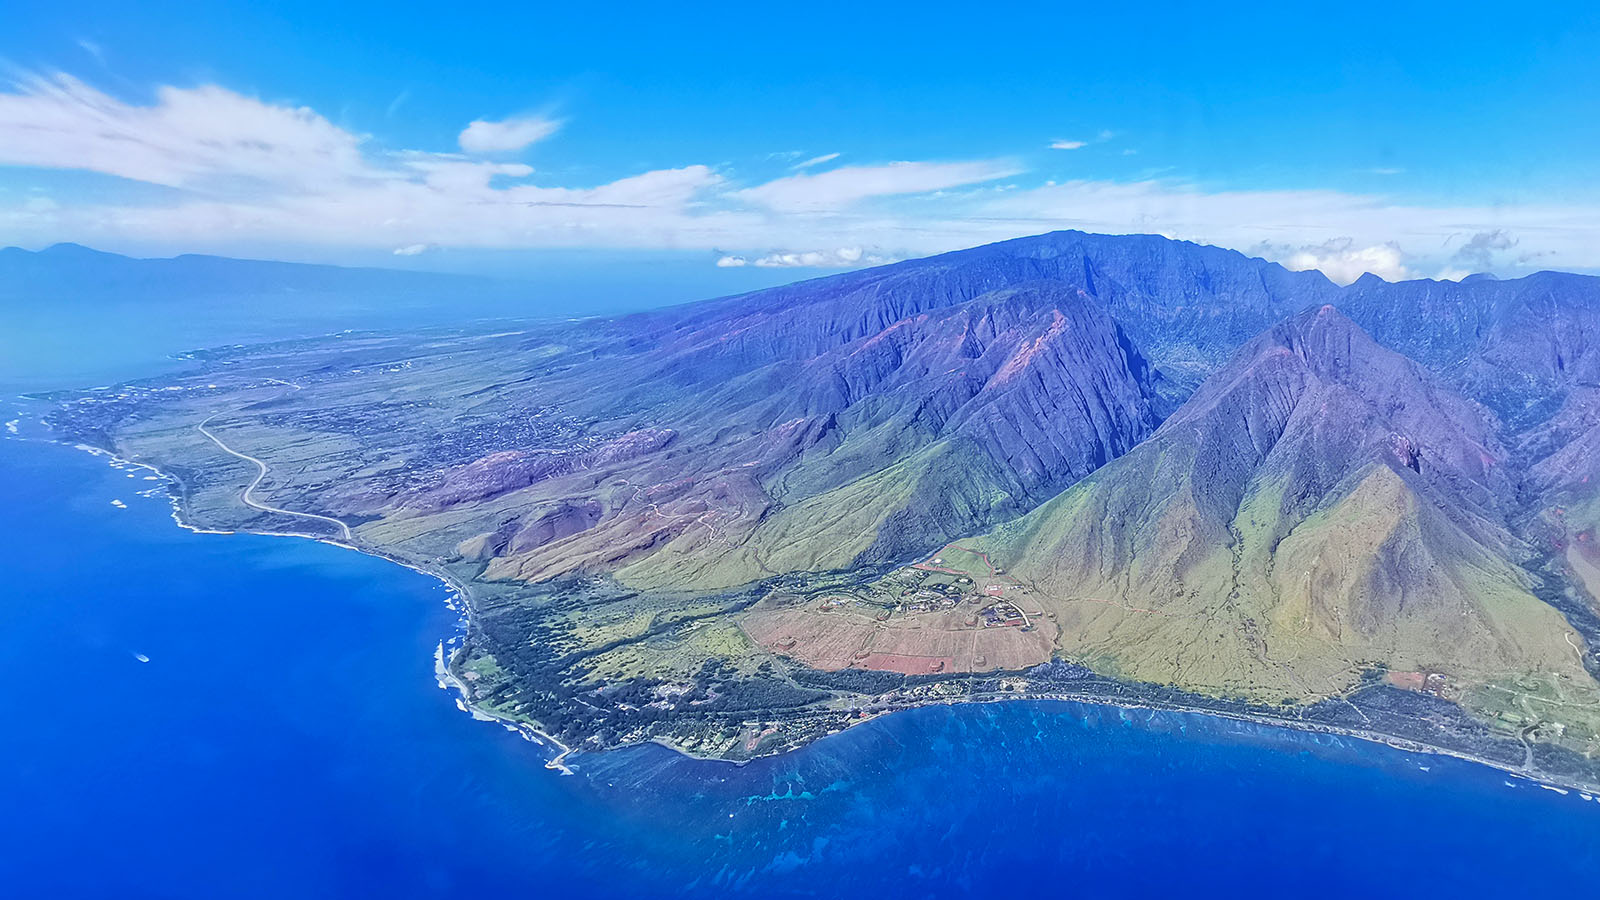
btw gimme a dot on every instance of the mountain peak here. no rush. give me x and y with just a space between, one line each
1326 317
1321 339
1320 322
70 249
1320 375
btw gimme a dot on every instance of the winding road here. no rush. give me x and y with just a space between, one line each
344 530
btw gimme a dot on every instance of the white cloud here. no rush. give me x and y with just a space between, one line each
506 136
249 171
412 250
815 161
731 262
841 188
191 137
1100 138
1343 262
243 173
840 258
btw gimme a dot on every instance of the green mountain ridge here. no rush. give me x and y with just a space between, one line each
1319 507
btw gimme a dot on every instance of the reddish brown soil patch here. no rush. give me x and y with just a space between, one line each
1411 681
908 665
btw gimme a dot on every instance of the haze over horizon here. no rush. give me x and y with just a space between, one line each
688 162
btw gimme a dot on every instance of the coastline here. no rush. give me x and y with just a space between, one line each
448 681
446 678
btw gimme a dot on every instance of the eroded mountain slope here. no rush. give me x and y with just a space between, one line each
1320 506
938 424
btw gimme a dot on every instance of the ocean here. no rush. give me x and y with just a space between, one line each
194 715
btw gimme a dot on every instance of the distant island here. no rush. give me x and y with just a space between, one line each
1122 469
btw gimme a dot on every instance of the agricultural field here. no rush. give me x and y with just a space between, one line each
920 619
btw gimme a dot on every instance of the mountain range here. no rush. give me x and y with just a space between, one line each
73 272
978 384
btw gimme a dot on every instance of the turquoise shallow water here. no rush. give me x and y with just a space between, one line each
287 739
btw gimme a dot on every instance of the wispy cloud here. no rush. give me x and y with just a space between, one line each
190 138
815 161
1105 134
506 136
841 188
399 100
1478 254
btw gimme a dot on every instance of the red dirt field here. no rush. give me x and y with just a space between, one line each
908 665
1411 681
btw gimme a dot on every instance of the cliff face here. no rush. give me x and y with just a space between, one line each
1037 380
1518 346
1320 504
1185 305
938 424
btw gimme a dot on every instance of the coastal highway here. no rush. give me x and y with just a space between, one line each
344 530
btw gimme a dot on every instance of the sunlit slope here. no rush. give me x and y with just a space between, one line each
1320 506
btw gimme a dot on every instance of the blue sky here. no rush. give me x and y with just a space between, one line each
731 145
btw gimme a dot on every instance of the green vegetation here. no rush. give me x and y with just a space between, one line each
1540 706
